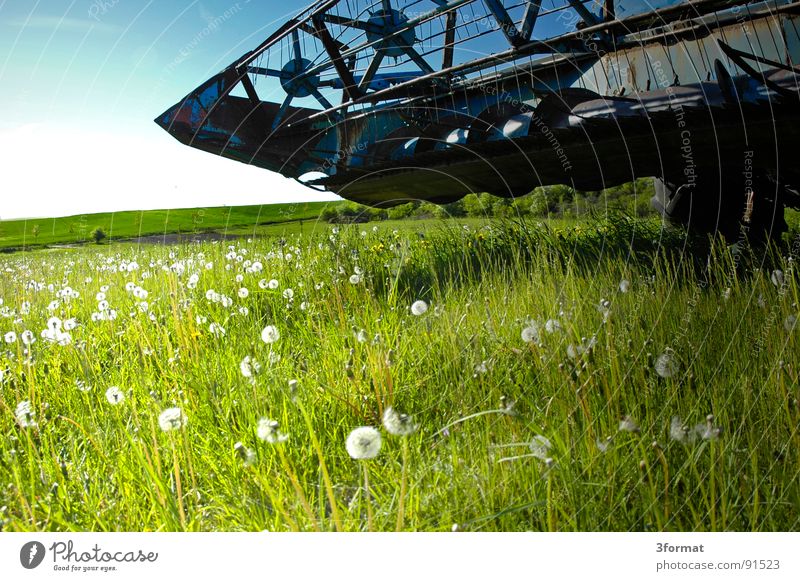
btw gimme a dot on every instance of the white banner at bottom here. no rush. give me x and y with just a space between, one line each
401 557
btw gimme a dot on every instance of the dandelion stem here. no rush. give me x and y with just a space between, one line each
403 480
178 486
367 496
512 458
469 417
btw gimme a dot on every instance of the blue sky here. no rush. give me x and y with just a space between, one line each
82 81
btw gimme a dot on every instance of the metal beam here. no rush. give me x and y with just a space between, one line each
504 20
449 39
589 18
351 90
608 10
417 58
341 21
250 90
373 67
529 20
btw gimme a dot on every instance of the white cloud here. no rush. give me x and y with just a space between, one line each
51 171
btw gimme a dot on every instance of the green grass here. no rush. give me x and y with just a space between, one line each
479 392
78 229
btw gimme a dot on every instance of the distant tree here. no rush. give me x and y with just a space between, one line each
402 211
328 214
456 209
501 208
98 235
540 206
478 205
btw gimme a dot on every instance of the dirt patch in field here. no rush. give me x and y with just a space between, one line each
179 238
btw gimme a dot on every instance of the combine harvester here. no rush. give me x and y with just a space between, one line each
385 101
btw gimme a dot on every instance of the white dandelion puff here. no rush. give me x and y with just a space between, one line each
629 425
288 294
114 395
530 334
624 285
777 278
172 419
398 424
270 334
677 430
552 326
247 456
363 443
10 337
790 322
708 431
249 367
273 284
667 364
28 338
24 414
217 330
355 279
419 308
603 445
269 431
540 447
243 293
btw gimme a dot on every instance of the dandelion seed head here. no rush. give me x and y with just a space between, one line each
667 364
114 395
270 334
24 414
269 431
363 443
217 330
419 308
790 322
398 424
627 424
552 326
540 447
624 285
530 334
247 456
678 432
172 419
777 278
249 367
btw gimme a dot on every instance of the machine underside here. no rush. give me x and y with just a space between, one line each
704 96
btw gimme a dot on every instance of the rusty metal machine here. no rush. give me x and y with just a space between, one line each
385 101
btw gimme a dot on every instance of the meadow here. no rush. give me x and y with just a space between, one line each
607 375
70 230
